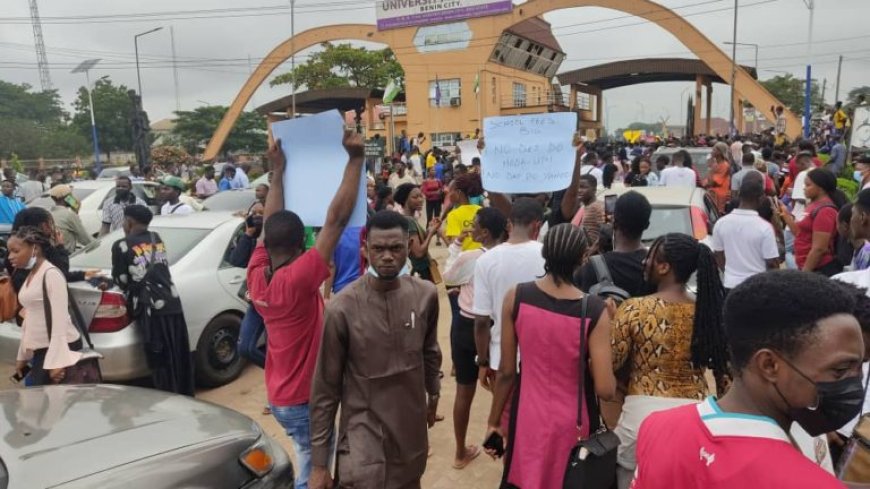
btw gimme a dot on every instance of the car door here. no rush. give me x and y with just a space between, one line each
231 277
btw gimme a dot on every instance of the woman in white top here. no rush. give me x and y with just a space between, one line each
49 355
488 228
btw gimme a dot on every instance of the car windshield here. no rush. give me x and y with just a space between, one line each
47 203
668 219
113 172
230 200
99 254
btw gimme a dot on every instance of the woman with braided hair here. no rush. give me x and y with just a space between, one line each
545 320
668 340
48 349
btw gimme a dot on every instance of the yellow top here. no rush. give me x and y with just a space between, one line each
459 220
840 119
430 161
652 338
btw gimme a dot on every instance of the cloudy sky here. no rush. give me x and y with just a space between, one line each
214 47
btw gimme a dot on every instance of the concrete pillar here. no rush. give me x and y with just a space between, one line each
709 107
697 112
572 104
738 114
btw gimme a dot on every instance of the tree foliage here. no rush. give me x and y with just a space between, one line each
113 111
852 98
34 125
342 65
194 128
790 91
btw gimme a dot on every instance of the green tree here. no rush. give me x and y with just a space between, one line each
112 112
342 65
194 128
19 102
790 91
852 98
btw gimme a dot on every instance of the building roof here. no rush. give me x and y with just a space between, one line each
537 30
163 125
315 101
637 71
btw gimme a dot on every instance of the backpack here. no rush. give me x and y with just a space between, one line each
606 288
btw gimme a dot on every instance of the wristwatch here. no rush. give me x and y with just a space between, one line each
481 362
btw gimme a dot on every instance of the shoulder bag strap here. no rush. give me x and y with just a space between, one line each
583 349
150 265
73 310
602 272
46 305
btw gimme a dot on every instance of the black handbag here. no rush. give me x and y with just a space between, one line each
87 369
592 463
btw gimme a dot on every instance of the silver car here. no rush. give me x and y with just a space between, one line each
111 436
700 157
198 246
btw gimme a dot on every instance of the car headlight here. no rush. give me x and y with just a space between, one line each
258 458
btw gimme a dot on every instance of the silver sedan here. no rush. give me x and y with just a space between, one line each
111 436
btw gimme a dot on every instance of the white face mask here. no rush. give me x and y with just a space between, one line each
404 271
31 262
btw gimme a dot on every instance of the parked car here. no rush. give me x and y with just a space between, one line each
198 246
700 157
111 436
93 194
111 173
230 200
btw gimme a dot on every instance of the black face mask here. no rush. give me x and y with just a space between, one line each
837 403
122 194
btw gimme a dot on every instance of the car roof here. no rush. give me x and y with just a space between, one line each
677 196
98 184
195 220
665 149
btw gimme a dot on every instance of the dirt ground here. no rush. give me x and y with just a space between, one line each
248 395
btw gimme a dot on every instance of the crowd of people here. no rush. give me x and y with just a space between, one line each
738 358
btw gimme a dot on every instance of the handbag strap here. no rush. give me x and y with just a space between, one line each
583 349
78 320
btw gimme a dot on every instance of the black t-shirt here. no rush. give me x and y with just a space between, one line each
625 268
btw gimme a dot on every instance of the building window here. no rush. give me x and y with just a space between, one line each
519 95
450 92
440 139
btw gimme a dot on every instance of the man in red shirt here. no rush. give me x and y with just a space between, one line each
796 353
284 284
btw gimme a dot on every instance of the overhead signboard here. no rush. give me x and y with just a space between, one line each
393 14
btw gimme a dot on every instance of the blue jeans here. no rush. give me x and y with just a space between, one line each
249 335
295 421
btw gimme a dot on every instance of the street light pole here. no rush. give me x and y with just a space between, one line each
85 66
293 48
811 5
136 46
747 44
731 127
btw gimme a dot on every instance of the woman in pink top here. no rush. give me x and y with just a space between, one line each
488 228
49 355
545 320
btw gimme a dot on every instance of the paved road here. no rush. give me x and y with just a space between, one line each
248 395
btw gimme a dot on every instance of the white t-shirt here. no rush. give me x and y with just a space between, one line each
747 241
678 176
860 278
416 164
496 272
178 209
797 193
595 172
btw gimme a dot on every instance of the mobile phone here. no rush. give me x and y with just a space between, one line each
609 204
495 443
18 377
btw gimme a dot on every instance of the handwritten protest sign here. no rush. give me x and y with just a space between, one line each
528 153
468 151
316 161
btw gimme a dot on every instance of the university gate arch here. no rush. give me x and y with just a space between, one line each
421 67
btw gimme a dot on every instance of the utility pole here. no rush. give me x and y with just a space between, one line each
824 89
808 113
174 68
293 57
839 70
731 127
41 58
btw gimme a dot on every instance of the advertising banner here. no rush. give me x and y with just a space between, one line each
393 14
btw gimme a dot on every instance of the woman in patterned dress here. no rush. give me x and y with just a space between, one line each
669 339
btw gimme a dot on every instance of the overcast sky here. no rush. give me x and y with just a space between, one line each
213 52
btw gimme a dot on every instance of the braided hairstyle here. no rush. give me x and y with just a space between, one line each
564 248
686 255
469 184
34 236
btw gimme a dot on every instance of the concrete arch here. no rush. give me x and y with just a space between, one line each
685 32
281 53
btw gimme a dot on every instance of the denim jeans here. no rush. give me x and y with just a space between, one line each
295 421
251 330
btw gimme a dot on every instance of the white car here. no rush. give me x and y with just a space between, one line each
198 246
93 194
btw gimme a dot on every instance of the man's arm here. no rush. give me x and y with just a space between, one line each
326 388
569 200
80 233
344 201
432 358
720 259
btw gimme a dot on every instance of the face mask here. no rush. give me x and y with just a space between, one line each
31 262
858 176
123 194
374 273
837 403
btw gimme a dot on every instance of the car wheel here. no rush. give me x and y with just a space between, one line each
217 357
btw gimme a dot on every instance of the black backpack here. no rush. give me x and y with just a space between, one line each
606 288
